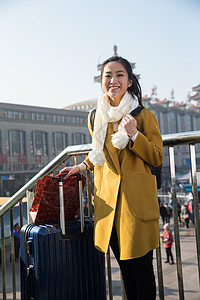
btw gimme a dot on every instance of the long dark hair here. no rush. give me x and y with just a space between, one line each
134 89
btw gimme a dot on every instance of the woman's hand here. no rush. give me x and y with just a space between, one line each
130 125
71 171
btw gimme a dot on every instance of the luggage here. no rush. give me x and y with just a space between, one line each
61 264
46 204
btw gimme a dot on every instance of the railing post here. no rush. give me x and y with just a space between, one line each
176 228
196 202
109 274
160 273
3 261
124 297
29 198
89 196
21 212
12 254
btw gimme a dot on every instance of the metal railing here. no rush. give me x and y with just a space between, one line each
170 141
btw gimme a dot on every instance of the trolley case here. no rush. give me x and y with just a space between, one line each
61 264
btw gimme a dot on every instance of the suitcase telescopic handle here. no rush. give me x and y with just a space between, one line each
62 208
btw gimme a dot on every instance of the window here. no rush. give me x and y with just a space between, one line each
16 142
172 122
78 138
37 117
188 123
39 144
17 115
156 113
60 142
58 118
186 162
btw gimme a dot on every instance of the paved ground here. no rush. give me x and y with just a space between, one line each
189 263
189 266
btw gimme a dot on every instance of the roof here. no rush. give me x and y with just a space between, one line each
89 102
195 97
196 88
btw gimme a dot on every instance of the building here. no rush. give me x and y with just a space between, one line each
84 106
196 97
31 136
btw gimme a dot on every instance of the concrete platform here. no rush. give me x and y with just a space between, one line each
189 264
189 267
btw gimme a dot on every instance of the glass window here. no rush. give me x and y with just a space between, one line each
186 162
189 123
17 115
172 122
78 138
16 143
60 142
39 143
156 113
58 118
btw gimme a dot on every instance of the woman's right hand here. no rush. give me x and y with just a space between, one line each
71 171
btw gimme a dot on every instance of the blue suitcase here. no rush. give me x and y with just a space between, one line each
57 266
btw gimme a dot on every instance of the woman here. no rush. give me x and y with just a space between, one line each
126 204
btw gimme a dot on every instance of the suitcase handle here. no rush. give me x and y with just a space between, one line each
61 196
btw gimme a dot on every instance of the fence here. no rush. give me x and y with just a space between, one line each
170 141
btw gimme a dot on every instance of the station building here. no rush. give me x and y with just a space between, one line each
31 136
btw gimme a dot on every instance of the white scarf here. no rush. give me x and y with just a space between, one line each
106 113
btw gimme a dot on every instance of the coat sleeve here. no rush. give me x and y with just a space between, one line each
148 144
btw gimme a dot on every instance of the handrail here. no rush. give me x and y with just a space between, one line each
50 167
191 137
169 140
174 139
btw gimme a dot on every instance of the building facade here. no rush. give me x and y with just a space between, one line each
30 137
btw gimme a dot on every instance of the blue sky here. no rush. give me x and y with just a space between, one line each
49 50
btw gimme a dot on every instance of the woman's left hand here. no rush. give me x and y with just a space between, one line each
130 125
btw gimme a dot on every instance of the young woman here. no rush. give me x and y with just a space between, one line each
126 204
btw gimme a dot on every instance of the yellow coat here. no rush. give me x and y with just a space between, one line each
125 190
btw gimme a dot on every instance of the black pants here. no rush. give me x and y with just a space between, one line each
169 254
137 273
187 222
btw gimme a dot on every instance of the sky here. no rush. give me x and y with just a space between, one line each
49 50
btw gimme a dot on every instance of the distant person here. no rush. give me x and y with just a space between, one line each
163 213
168 213
179 212
167 238
190 208
16 240
186 216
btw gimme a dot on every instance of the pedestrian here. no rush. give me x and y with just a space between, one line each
190 208
179 212
167 238
16 240
186 216
126 204
168 213
163 212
